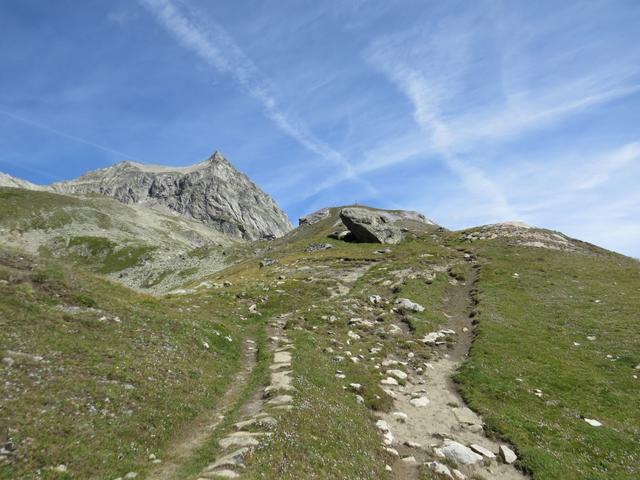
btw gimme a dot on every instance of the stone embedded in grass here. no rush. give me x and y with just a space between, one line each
356 387
234 459
280 400
399 374
241 439
407 305
507 454
434 338
389 381
375 299
592 422
282 357
226 473
458 453
359 399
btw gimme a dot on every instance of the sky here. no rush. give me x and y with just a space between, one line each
471 112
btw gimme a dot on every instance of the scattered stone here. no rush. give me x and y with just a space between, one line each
280 400
458 453
318 247
407 305
386 432
507 454
225 474
465 415
485 452
389 381
410 460
282 357
266 262
60 468
439 468
240 439
359 399
130 476
592 422
420 401
434 338
356 387
399 374
400 416
375 299
234 459
411 444
353 335
459 475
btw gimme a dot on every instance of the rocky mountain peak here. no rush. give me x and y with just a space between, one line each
213 192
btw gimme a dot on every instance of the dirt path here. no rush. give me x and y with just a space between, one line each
260 414
429 428
198 432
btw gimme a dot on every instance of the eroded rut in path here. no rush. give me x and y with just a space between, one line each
199 431
430 422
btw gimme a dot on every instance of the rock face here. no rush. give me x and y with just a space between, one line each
212 192
370 226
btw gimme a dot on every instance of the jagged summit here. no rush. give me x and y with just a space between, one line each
213 192
215 158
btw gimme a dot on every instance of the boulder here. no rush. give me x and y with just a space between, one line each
369 226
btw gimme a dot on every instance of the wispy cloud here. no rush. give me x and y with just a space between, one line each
468 102
215 47
601 169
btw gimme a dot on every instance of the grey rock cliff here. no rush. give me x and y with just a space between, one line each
212 192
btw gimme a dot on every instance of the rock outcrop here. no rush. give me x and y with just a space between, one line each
212 192
314 217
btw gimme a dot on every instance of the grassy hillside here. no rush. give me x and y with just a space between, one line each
97 377
567 325
140 247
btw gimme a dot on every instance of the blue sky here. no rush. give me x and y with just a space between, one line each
470 112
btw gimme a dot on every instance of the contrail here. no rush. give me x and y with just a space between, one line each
65 135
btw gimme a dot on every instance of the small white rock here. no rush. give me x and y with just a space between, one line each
592 422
